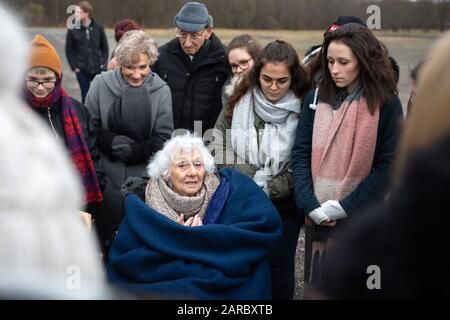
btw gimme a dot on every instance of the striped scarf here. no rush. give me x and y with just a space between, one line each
74 138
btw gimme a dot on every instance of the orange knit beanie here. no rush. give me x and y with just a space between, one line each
43 54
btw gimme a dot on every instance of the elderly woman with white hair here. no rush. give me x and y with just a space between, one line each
191 232
132 109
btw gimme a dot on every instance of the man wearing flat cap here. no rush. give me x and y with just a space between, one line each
194 66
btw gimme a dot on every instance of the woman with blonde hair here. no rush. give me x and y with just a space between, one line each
132 110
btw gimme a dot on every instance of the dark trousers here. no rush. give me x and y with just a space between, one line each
84 80
282 257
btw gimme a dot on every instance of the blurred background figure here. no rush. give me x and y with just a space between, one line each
131 109
120 29
242 53
69 120
45 250
406 240
87 48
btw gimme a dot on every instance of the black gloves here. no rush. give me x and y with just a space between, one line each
122 152
119 139
121 148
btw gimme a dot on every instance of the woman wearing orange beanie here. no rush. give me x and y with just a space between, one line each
68 118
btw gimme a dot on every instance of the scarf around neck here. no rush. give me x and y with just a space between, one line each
272 152
74 138
160 197
343 146
130 114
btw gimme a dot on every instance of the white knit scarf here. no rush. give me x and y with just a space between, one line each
273 152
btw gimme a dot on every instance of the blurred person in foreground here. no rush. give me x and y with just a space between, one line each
45 250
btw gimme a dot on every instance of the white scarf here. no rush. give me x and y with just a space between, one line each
273 153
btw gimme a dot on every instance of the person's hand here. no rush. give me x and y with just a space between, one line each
120 139
328 223
195 221
122 152
86 218
77 70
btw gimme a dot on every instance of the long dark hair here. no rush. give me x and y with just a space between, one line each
375 71
278 51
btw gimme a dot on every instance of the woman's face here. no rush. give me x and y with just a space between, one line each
275 80
135 74
187 173
40 84
343 66
241 62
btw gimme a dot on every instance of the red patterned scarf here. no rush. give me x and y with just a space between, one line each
74 138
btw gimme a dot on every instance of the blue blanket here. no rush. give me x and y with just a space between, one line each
156 256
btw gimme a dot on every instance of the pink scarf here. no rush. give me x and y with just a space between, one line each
343 147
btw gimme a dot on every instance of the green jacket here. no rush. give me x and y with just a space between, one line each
281 186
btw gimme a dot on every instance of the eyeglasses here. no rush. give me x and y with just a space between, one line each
193 35
243 65
280 83
47 84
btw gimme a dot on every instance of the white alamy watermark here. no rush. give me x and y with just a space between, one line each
374 20
74 20
374 280
73 281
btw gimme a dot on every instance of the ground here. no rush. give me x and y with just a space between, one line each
407 47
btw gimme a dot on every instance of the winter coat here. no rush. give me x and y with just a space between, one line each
105 91
53 117
196 85
280 187
87 48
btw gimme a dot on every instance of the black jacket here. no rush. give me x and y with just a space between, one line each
195 85
87 48
53 117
